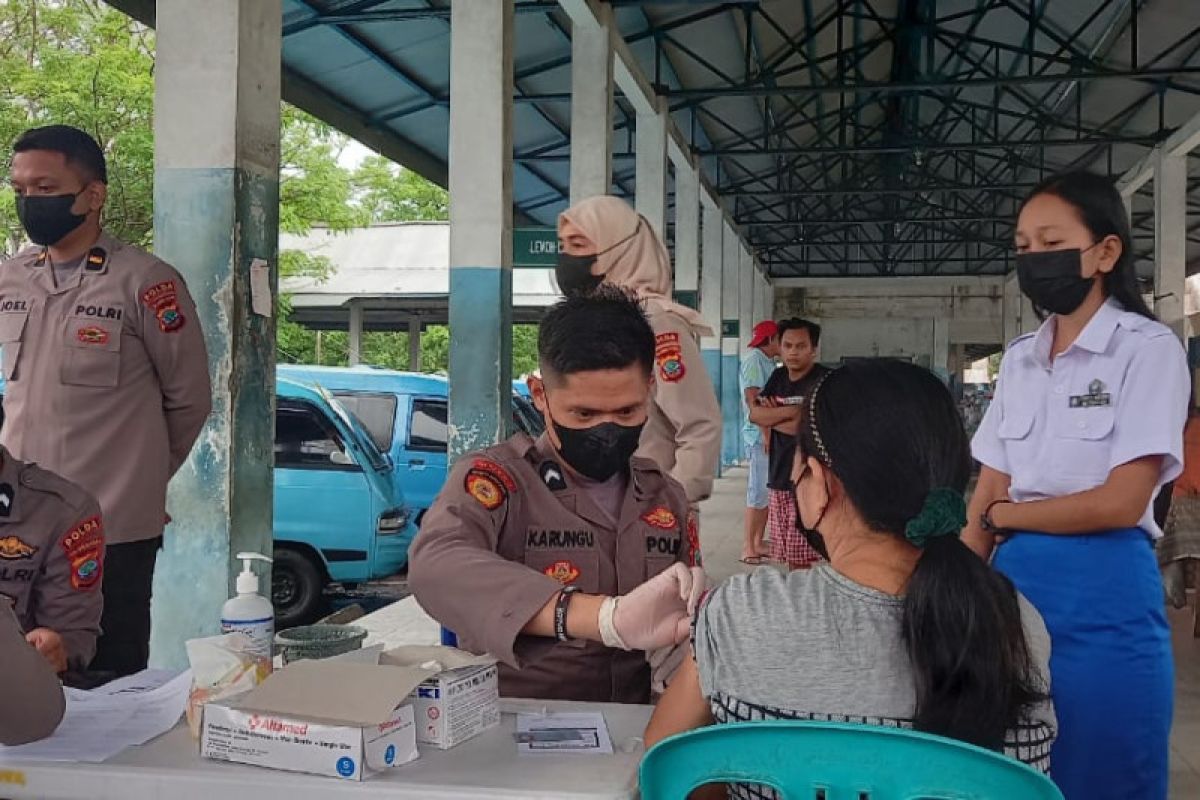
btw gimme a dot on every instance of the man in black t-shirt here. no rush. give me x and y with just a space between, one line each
778 409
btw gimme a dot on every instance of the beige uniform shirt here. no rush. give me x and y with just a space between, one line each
51 555
31 698
107 377
683 434
509 530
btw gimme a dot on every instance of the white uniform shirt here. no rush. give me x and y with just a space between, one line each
1118 393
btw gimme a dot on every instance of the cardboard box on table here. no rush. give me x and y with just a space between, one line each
353 716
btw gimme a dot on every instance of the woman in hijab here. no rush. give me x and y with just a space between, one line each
603 240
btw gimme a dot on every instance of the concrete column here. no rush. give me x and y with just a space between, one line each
414 344
710 290
1012 309
216 208
746 295
1170 240
651 165
356 331
687 236
480 223
731 407
591 107
939 360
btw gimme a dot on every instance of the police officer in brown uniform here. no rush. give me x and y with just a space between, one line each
567 557
51 561
107 375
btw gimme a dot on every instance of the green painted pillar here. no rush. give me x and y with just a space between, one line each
216 208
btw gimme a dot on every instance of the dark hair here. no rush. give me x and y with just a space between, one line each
797 324
1102 211
80 149
602 329
890 432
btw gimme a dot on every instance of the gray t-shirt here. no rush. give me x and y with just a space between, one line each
813 644
66 270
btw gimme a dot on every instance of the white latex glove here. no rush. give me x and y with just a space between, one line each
659 612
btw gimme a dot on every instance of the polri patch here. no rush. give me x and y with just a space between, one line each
13 548
668 356
564 572
661 518
84 546
92 334
552 476
163 300
486 490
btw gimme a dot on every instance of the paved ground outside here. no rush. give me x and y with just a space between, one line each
721 532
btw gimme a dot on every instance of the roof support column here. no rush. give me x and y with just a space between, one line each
481 78
731 407
687 236
710 290
414 344
1170 239
216 207
591 106
651 165
355 336
1013 300
939 357
746 295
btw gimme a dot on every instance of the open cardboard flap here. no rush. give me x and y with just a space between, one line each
436 657
343 693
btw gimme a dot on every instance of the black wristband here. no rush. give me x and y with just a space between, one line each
560 613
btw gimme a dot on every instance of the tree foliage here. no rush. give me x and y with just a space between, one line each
82 63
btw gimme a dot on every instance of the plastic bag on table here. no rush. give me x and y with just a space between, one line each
222 666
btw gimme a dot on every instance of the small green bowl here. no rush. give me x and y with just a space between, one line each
318 641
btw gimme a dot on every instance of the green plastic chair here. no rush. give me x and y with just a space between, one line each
804 760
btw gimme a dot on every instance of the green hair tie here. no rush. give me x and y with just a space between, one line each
944 513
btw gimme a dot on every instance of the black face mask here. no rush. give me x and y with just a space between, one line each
811 535
48 218
1052 280
601 451
574 274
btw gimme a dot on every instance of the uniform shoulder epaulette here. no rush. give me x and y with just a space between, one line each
1149 328
40 480
1024 337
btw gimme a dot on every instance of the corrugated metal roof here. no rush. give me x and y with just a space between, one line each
848 137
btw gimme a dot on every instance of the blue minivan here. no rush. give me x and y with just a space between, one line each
339 515
406 415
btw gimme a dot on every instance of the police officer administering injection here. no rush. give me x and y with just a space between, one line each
51 562
106 370
568 558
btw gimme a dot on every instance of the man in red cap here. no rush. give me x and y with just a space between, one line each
757 366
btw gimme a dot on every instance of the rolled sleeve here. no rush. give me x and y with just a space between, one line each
986 446
1152 408
458 576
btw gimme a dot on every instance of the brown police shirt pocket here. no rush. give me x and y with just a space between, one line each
658 563
12 331
91 352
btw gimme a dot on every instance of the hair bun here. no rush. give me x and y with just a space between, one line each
944 513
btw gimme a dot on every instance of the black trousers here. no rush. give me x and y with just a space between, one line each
124 644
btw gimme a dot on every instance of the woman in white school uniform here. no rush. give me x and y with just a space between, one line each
1086 426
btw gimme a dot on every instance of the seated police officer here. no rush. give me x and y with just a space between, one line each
51 562
567 557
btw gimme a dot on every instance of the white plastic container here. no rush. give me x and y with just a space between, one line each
251 614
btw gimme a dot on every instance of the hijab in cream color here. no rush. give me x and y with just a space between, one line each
629 254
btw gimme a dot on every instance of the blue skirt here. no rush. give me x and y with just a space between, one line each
1112 677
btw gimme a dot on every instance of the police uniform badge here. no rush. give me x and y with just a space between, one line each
163 301
84 546
552 476
489 483
12 548
6 499
95 261
660 518
668 356
1095 398
564 572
